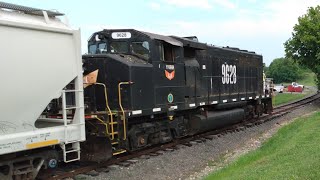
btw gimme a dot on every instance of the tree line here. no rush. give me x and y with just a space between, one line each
285 70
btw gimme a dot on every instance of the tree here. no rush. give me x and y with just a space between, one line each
304 45
284 70
265 68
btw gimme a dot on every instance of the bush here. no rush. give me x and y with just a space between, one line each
284 70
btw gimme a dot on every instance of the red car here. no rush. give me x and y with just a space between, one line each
295 87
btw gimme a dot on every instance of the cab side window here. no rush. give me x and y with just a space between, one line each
141 49
166 52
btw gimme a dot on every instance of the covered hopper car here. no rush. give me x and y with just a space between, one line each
40 55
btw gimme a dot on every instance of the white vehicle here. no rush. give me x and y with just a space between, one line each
39 57
278 88
295 84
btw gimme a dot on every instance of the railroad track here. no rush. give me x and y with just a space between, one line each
71 170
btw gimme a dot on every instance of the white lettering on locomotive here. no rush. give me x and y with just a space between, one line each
170 67
229 74
121 35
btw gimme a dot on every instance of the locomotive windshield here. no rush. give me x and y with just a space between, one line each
140 49
99 48
119 47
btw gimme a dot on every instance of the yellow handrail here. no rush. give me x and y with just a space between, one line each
108 108
107 131
122 110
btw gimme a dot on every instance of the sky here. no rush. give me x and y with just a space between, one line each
261 26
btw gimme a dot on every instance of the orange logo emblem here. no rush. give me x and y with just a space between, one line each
90 78
169 75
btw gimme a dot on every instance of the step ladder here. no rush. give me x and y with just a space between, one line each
112 126
114 135
71 149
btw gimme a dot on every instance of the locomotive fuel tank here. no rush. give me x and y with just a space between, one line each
215 119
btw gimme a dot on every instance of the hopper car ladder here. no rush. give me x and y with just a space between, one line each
71 149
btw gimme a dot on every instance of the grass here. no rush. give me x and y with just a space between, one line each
282 98
308 79
292 153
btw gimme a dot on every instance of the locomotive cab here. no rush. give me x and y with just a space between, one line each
120 57
151 67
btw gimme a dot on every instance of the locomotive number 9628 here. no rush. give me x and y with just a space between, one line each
229 74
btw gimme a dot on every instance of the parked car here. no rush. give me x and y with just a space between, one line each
278 88
295 84
295 87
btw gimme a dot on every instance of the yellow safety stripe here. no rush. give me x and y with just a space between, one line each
42 144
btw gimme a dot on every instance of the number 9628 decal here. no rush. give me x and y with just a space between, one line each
229 74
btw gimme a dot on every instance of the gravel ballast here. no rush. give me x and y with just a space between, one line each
201 158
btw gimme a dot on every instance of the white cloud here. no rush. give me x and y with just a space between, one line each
203 4
155 6
283 15
252 1
225 3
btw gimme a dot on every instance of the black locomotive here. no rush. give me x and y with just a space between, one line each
143 89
